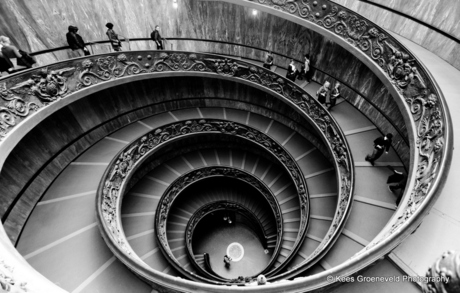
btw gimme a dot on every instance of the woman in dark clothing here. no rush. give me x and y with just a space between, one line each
113 37
5 64
335 94
75 41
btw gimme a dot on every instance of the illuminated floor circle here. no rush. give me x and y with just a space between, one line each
235 251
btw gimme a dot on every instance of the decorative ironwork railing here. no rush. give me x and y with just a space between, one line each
223 205
26 94
408 80
411 83
170 195
131 157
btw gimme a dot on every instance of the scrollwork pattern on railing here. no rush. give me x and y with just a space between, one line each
402 69
123 166
226 206
185 180
32 90
31 94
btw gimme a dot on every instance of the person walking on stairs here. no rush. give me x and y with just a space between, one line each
381 144
76 42
335 94
227 261
269 61
322 93
292 71
397 181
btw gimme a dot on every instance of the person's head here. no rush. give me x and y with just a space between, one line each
327 84
261 280
157 27
389 136
337 84
4 40
109 25
292 62
73 29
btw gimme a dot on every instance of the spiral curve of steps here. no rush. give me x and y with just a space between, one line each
78 250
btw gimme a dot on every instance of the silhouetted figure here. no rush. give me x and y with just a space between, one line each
76 42
322 92
269 61
156 37
381 144
113 37
335 94
227 261
397 181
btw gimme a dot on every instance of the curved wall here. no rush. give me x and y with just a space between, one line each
441 14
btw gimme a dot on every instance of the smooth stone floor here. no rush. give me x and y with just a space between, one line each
216 243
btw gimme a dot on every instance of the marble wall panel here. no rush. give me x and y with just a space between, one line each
442 14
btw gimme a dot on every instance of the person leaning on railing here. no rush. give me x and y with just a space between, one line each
156 37
76 42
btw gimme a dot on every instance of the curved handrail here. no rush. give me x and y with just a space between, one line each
174 190
131 157
416 93
434 138
44 89
210 208
342 81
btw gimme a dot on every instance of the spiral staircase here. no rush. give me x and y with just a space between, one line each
136 145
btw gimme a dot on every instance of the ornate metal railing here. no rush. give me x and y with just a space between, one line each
180 184
130 158
32 95
413 88
223 205
342 81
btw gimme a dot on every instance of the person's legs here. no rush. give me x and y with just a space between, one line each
374 156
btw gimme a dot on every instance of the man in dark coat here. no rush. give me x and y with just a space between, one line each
156 37
76 41
397 181
381 144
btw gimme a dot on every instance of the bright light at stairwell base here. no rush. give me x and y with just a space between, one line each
175 5
254 12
